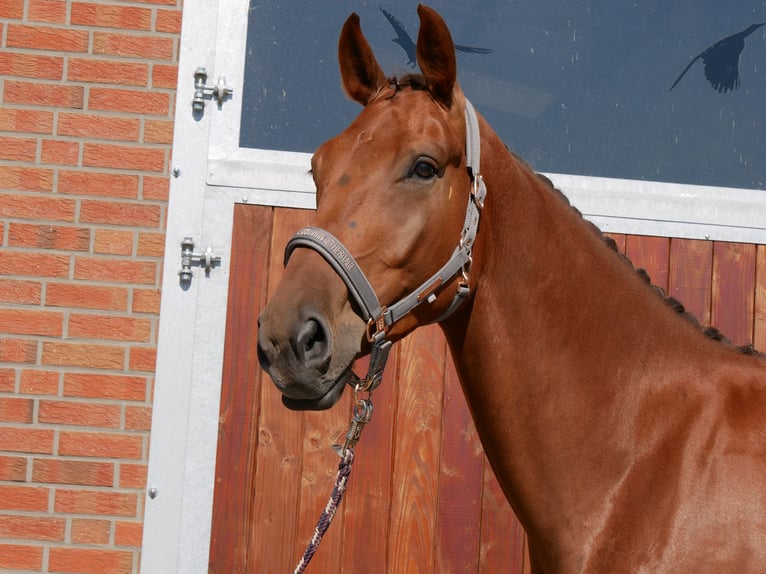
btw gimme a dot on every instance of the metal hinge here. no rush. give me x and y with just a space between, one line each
202 91
208 260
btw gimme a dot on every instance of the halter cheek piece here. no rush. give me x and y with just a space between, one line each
380 317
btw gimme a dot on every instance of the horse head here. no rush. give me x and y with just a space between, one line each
392 188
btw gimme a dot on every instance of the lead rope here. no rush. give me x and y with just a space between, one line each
361 415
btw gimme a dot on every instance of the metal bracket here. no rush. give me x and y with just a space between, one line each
202 91
208 260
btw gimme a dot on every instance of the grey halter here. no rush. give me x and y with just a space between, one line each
379 317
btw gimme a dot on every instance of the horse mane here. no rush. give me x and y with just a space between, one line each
417 82
709 331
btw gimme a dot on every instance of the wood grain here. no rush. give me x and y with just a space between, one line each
759 312
690 277
460 482
240 387
416 457
733 301
651 254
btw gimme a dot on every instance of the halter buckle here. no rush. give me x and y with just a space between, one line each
478 190
378 324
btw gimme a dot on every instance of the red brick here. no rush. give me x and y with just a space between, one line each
98 386
138 418
51 11
168 21
37 207
107 72
21 557
16 410
95 183
158 131
87 531
7 381
129 101
120 213
146 301
39 382
31 66
156 188
113 242
98 127
26 178
81 472
25 498
83 355
20 120
17 351
106 16
18 291
49 237
32 527
101 445
34 264
110 503
143 359
164 76
90 561
124 157
124 271
132 45
38 94
86 296
79 414
22 439
132 475
13 468
47 38
11 9
19 321
128 534
18 149
60 152
109 328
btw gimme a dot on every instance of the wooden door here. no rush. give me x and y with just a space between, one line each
421 495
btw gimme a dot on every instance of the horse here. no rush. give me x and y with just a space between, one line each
624 438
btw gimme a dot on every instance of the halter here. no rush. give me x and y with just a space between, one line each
379 317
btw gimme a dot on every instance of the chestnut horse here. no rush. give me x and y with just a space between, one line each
624 438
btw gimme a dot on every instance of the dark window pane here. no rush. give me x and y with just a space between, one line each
573 87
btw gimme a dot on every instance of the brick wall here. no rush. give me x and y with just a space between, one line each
88 92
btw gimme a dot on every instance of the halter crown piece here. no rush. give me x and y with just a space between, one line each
380 318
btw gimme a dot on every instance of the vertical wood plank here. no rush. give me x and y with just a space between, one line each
691 276
240 388
759 323
651 254
368 499
503 541
280 447
733 300
620 239
416 457
460 482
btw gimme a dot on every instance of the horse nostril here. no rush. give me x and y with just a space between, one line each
313 346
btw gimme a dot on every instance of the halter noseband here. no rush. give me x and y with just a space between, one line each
380 318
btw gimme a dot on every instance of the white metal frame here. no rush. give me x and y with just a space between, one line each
202 197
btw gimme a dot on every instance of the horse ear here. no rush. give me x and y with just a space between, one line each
361 74
436 55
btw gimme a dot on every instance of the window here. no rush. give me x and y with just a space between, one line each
573 87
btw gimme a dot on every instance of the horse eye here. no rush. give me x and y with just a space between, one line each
424 170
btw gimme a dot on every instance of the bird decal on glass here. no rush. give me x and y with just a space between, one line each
721 60
408 45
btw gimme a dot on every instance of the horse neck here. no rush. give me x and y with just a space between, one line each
558 343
